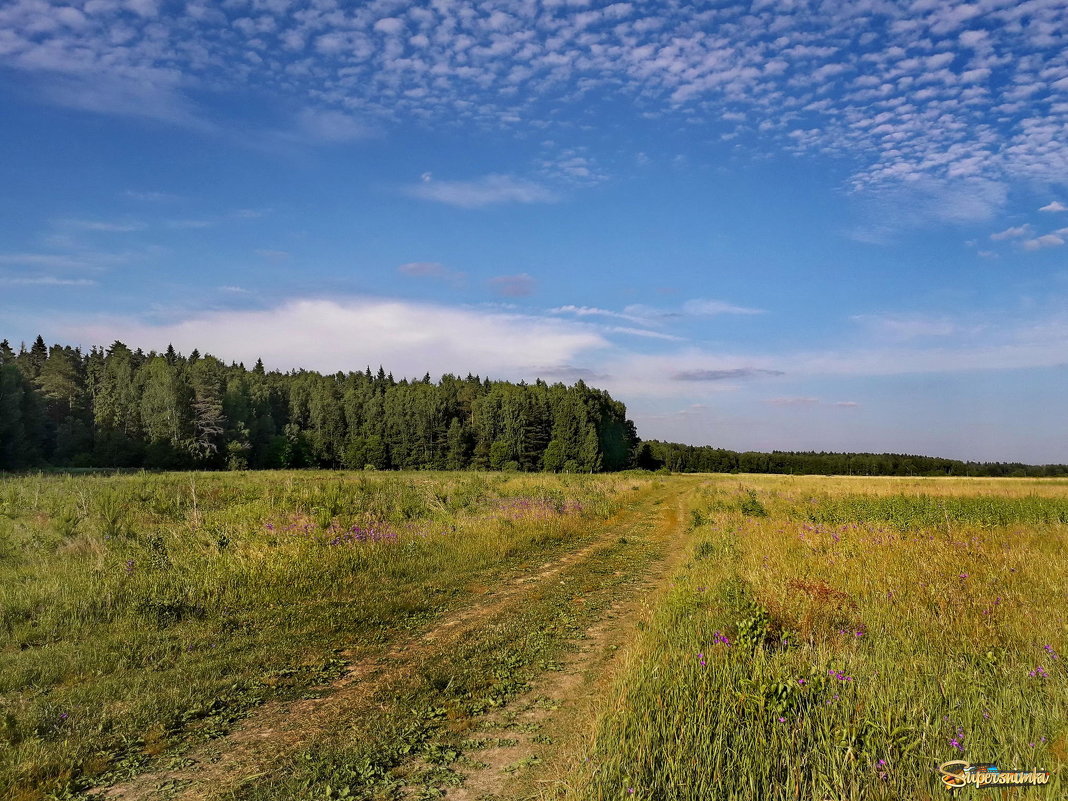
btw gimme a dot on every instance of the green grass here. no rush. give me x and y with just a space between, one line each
429 711
141 611
844 643
827 638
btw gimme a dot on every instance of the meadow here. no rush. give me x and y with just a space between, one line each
137 611
373 635
841 638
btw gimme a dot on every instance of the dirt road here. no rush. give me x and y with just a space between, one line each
587 603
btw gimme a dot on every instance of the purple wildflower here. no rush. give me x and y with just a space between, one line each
1039 673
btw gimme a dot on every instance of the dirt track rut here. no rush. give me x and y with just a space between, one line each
216 768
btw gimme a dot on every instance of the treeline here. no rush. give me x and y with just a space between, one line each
119 407
679 458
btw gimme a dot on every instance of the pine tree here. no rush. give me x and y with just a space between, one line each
457 454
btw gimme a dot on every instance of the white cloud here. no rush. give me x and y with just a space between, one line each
146 93
415 338
389 25
1044 241
643 332
331 335
1012 233
489 190
709 308
1054 206
593 311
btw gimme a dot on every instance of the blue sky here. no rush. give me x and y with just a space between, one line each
793 225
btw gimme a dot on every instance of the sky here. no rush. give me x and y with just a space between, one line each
788 225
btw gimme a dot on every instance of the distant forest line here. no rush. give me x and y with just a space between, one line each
120 408
707 459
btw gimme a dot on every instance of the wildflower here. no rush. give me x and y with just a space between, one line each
1049 650
269 526
881 770
717 637
964 575
986 715
956 744
130 565
802 682
782 720
1039 673
63 715
839 675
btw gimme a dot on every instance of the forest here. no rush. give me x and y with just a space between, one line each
120 408
706 459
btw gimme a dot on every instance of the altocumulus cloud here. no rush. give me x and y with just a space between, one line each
910 89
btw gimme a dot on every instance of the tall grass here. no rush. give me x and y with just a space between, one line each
140 610
827 641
